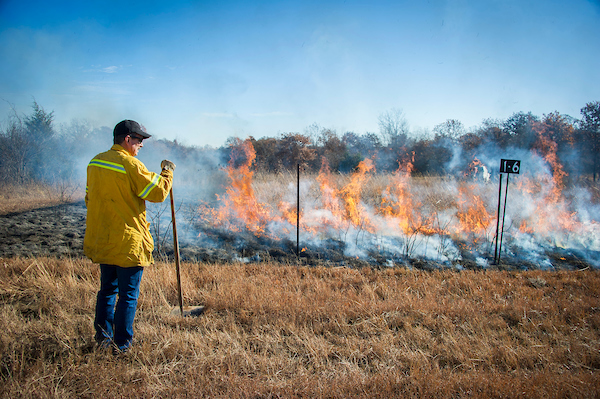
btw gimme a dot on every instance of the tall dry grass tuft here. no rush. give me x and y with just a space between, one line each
275 330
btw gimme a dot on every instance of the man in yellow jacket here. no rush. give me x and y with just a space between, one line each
117 234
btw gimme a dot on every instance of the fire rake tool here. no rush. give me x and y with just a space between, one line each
184 311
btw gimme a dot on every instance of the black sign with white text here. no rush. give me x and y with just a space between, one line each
510 166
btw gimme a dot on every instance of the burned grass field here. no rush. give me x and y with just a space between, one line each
274 330
366 218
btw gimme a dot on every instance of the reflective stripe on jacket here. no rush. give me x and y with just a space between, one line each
118 186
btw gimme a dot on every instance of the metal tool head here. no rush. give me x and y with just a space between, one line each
188 311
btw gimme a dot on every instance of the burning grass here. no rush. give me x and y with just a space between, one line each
276 330
390 219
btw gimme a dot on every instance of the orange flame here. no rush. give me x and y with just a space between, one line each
398 202
354 210
472 214
240 204
329 198
344 206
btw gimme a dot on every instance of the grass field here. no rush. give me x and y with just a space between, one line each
295 331
275 330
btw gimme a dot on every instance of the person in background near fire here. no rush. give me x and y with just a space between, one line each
117 235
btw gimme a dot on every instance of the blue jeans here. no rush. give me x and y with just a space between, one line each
115 323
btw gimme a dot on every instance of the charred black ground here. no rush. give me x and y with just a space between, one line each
51 231
59 230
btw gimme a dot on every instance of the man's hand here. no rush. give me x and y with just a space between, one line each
167 165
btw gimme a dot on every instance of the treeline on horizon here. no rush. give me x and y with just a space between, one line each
33 149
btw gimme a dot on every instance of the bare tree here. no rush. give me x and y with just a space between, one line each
394 128
312 132
452 129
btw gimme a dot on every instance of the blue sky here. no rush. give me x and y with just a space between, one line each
202 71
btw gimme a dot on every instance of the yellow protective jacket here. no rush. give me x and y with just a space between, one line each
118 186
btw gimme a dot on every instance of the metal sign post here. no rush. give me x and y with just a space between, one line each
507 166
298 213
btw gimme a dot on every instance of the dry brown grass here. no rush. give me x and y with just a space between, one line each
20 198
272 188
275 330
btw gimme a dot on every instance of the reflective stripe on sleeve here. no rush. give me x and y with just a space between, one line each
108 165
155 180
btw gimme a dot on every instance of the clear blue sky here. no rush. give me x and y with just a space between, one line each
201 71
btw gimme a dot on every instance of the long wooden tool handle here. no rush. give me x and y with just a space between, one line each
176 250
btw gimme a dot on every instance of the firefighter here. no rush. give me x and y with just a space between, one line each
117 234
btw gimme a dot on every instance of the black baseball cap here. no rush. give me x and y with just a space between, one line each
127 127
